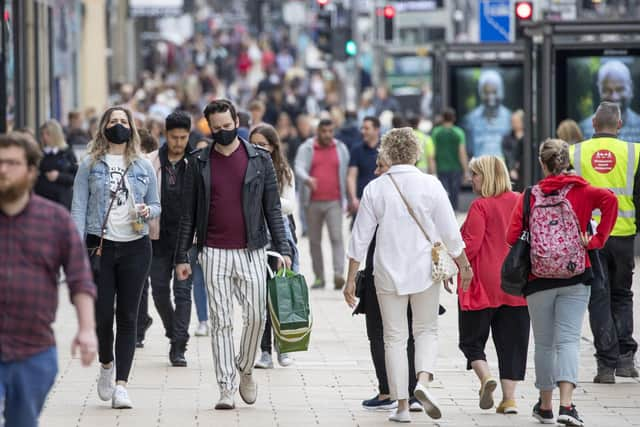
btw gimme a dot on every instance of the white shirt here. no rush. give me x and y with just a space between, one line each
119 227
402 260
288 197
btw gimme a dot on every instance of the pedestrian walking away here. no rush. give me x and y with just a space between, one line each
402 276
558 288
608 162
38 238
321 165
226 181
484 307
362 163
114 195
170 163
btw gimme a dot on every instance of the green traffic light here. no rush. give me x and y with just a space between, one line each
351 48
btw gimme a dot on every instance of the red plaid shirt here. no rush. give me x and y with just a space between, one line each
33 246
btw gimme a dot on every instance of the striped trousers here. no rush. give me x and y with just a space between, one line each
239 272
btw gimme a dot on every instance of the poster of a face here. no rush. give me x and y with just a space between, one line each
485 98
593 79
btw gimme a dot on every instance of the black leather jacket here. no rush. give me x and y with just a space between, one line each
260 203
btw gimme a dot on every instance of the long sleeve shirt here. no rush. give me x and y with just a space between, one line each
402 261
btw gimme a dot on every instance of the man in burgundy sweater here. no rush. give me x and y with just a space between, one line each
321 164
231 197
37 237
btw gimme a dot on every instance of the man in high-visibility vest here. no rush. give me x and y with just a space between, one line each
608 162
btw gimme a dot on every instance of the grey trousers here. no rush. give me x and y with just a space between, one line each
556 317
317 214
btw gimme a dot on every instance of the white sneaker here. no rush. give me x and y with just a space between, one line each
265 361
284 359
400 417
226 401
121 398
429 403
202 330
106 385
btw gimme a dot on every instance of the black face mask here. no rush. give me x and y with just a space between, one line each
225 137
118 134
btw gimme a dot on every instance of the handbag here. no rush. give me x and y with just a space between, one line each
95 254
360 294
443 267
516 267
288 302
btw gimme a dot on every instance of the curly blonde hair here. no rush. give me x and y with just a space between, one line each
400 146
495 176
99 147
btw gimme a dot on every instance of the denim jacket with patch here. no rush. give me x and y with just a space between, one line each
91 193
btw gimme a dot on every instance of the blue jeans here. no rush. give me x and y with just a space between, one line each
451 181
199 290
24 385
556 317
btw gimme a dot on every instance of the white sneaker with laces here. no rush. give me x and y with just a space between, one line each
400 417
265 361
284 359
106 385
202 330
121 398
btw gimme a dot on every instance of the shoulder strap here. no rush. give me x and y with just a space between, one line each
106 216
411 212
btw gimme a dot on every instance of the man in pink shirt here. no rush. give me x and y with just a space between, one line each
321 164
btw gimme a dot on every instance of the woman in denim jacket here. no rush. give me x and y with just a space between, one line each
115 174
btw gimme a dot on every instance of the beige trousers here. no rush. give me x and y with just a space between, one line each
393 308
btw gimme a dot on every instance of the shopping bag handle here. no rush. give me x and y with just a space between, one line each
281 258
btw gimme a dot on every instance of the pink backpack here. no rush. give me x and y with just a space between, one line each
556 248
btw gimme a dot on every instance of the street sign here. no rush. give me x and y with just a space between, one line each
495 21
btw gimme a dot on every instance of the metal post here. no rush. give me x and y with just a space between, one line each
3 76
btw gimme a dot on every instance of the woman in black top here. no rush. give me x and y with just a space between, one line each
58 167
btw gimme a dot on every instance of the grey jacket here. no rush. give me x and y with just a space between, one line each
304 159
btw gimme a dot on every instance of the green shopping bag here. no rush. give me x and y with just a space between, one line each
291 317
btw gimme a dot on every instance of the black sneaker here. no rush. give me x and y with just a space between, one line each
569 416
376 404
545 416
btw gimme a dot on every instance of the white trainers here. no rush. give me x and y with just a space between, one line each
284 359
248 389
106 385
429 402
226 401
121 398
400 417
202 330
265 361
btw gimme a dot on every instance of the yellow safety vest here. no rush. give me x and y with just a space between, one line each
607 162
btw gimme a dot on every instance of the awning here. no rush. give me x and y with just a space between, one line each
155 7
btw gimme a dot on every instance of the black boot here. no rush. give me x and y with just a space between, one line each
176 354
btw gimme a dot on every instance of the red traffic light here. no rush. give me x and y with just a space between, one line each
322 3
389 11
524 10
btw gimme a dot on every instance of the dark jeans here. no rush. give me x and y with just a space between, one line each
611 305
451 181
376 340
509 328
24 385
123 270
143 311
175 320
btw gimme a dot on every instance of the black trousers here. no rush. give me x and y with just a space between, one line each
124 268
509 328
143 311
376 340
175 320
611 305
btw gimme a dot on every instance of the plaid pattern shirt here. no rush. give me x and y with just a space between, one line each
33 246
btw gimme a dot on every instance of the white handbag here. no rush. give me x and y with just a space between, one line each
443 267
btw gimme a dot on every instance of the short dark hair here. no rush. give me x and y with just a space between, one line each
449 115
148 142
373 120
324 123
398 121
414 121
244 119
178 120
220 106
607 116
31 149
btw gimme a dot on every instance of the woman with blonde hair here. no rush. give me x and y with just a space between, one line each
484 307
558 288
114 195
58 166
569 131
403 264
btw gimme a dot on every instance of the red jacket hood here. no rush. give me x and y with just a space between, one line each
556 182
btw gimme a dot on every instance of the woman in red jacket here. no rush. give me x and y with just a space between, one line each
557 302
484 306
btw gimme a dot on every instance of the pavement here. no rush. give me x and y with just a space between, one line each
324 387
